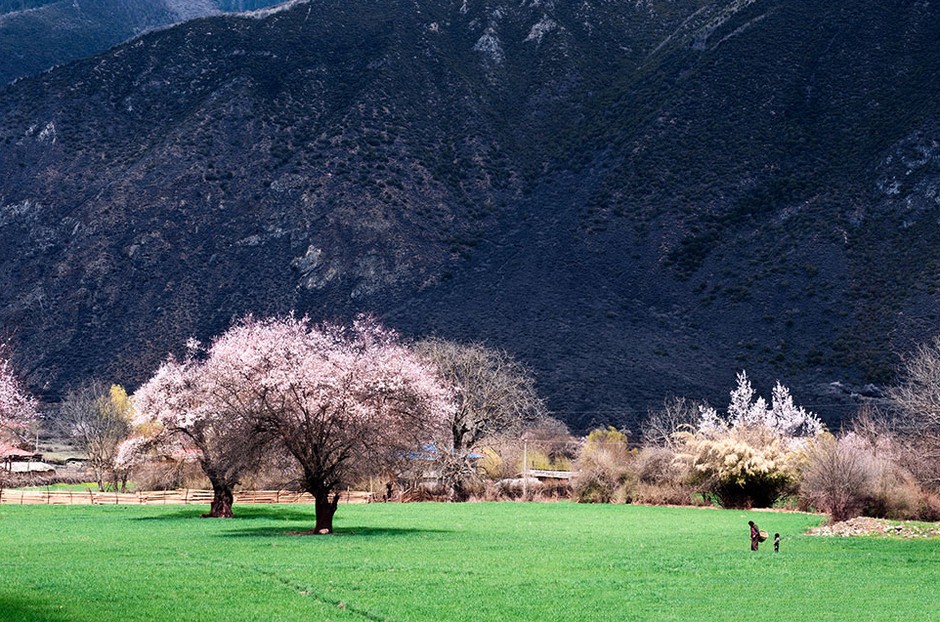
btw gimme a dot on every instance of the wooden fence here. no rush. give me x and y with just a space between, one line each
163 497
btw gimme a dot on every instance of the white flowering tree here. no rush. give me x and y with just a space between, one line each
749 456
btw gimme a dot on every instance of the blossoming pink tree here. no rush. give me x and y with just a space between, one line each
17 407
342 400
197 404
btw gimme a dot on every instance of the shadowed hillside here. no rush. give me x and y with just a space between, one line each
637 199
38 34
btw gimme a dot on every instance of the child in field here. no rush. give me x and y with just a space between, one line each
776 543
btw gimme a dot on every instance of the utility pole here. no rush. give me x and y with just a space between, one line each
525 468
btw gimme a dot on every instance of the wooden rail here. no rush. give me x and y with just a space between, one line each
163 497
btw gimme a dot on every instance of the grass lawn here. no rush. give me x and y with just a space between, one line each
463 562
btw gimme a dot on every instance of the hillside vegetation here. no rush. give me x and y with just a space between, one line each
636 199
36 35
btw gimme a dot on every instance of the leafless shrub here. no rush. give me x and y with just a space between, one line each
664 494
840 476
657 466
917 403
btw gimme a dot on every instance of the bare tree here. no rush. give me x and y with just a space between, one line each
840 475
495 395
97 417
677 414
917 402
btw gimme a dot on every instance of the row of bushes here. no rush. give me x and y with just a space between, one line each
762 454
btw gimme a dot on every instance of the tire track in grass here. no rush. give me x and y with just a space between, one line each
301 590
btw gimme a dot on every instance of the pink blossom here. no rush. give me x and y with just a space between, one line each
17 407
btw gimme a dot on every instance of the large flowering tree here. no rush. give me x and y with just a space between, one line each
751 455
340 399
201 406
17 406
343 400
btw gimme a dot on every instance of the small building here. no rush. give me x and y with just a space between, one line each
10 455
549 477
32 469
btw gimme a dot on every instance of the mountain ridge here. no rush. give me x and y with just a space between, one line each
38 35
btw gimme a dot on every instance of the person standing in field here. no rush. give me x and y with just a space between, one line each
755 535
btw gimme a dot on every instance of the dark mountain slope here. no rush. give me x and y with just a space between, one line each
38 34
638 199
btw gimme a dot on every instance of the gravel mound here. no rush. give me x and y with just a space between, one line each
864 526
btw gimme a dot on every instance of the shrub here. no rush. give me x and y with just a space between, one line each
604 472
863 474
749 457
744 467
664 494
840 476
657 466
492 464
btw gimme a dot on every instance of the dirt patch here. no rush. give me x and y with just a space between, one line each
864 526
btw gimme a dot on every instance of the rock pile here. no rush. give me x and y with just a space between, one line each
865 526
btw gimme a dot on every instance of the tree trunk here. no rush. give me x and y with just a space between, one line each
325 508
460 493
221 502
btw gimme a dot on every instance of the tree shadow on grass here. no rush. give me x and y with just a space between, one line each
307 530
279 513
13 609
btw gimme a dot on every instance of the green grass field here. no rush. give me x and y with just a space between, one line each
463 562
